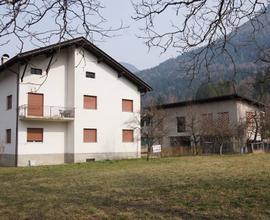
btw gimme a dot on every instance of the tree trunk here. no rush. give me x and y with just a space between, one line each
221 149
148 152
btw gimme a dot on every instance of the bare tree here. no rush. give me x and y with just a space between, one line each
59 19
153 128
194 127
266 124
254 125
205 25
220 131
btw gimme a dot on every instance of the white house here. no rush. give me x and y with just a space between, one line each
189 120
68 102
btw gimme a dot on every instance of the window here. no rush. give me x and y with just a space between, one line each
127 105
127 136
90 102
34 134
36 71
91 75
223 119
180 141
8 136
207 118
181 124
35 104
89 135
9 102
250 116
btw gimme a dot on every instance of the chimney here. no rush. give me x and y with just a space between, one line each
4 58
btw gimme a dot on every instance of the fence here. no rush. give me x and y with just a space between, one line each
260 147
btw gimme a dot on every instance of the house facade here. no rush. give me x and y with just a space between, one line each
198 122
65 103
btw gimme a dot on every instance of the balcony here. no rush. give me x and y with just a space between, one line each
46 113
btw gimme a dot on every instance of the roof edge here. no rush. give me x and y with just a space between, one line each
81 41
213 99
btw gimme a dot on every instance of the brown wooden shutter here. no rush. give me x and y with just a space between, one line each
128 136
35 104
90 102
8 136
89 135
34 134
127 105
9 102
223 119
250 119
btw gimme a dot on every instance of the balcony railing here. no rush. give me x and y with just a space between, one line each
52 113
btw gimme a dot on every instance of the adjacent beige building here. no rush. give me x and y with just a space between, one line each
188 122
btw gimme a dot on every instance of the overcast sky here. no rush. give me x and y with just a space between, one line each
128 47
125 48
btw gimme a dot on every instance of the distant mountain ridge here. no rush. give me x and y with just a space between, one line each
130 67
171 83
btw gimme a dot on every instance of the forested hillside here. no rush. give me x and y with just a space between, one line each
171 81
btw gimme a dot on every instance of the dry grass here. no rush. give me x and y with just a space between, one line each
209 187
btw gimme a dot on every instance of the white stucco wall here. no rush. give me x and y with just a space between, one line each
65 86
108 119
54 87
8 86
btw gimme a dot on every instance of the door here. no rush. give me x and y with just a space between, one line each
35 104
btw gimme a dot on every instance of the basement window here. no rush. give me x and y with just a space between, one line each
91 75
36 71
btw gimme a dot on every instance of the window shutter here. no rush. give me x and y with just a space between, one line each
34 134
90 135
35 104
223 119
250 119
128 136
90 102
127 105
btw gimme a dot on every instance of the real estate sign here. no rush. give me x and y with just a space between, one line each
156 148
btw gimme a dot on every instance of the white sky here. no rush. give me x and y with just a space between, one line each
125 48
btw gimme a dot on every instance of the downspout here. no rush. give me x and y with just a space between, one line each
17 117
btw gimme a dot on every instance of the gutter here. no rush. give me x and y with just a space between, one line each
17 117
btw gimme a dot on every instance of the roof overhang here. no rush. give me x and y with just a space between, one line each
84 43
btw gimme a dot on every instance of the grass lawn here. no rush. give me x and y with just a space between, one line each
209 187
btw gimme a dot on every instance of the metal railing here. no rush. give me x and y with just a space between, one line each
50 112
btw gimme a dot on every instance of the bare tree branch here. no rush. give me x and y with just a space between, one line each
206 29
40 21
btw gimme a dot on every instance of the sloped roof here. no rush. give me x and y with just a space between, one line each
214 99
82 42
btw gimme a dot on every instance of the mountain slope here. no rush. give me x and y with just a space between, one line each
130 67
171 82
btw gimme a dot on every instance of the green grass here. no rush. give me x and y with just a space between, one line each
210 187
